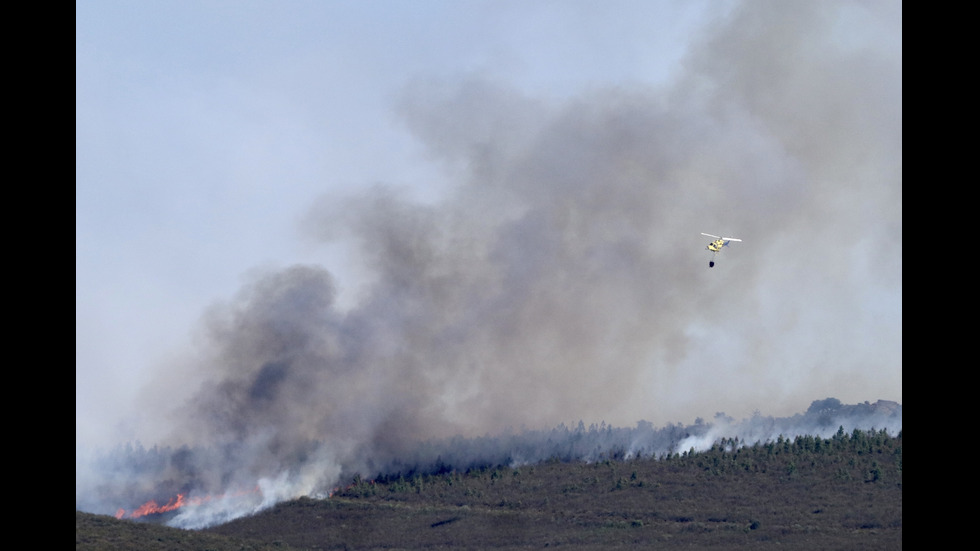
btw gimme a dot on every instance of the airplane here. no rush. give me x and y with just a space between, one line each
716 245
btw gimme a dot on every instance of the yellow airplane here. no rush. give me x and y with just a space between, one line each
716 245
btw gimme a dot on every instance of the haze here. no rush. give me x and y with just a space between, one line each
377 222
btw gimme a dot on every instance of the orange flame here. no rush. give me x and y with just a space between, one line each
151 507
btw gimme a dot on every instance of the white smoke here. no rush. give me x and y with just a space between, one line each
560 278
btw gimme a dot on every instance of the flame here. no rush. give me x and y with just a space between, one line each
152 507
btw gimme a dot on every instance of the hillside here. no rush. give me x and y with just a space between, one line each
843 492
103 532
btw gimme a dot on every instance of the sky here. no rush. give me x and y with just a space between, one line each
365 218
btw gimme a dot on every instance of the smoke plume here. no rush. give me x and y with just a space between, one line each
563 276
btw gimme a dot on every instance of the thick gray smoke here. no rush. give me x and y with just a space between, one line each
564 276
